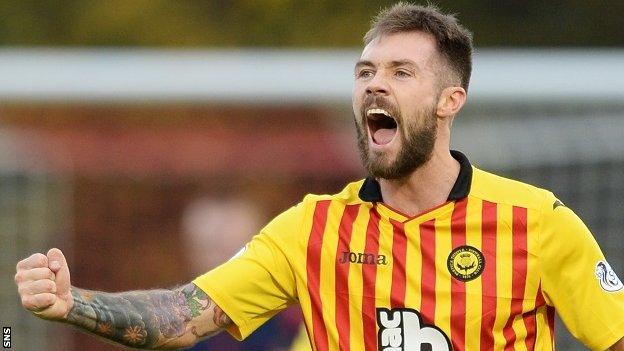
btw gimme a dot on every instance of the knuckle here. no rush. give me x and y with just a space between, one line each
50 274
43 300
23 289
36 301
49 286
36 259
48 299
26 301
18 278
42 260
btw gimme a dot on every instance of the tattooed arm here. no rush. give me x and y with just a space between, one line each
618 346
160 319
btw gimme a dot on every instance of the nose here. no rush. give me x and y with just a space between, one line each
377 85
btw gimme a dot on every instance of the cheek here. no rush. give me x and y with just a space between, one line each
356 102
415 102
359 90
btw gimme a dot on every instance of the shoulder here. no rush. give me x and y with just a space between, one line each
298 217
348 195
495 188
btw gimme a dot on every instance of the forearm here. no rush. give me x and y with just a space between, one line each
618 346
143 319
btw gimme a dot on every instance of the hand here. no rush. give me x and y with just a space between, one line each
44 286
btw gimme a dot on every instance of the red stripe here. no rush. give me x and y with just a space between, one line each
399 255
550 314
519 271
530 325
539 299
530 320
488 277
458 288
428 275
315 243
342 276
369 278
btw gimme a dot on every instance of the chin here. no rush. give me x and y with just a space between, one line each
378 164
387 151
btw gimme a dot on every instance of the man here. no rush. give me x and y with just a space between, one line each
428 253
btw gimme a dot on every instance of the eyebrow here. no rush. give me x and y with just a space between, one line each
362 63
395 63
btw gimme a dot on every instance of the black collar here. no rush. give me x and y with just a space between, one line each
371 192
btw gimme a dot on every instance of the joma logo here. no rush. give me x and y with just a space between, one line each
362 258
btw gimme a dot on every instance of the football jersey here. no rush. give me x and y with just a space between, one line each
485 270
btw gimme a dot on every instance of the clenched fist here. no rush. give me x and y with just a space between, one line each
44 286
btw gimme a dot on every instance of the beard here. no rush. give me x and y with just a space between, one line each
417 143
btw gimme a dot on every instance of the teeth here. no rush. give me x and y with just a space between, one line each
378 111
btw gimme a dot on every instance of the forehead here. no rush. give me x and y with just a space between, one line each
415 46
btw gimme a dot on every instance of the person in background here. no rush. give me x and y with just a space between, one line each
210 238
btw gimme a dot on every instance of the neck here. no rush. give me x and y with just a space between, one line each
427 187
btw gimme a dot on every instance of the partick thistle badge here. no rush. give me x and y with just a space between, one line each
465 263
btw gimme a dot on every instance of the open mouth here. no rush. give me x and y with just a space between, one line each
381 125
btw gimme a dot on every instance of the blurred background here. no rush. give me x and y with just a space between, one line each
150 139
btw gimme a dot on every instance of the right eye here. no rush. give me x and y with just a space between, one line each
365 73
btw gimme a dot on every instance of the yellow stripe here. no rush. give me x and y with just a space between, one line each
532 283
328 269
443 247
413 265
304 297
358 241
544 338
383 283
473 287
521 333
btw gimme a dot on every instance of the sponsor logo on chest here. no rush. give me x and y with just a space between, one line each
362 258
402 329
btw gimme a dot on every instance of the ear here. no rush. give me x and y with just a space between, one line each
451 100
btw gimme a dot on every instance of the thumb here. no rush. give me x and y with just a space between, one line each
58 265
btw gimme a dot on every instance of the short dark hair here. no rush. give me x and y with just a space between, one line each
454 42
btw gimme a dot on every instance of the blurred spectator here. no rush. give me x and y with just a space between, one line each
213 230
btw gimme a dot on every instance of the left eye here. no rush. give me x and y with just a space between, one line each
402 74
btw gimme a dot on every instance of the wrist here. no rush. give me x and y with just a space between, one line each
71 302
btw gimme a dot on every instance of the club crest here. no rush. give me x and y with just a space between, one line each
465 263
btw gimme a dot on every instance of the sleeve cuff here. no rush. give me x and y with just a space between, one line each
239 329
607 340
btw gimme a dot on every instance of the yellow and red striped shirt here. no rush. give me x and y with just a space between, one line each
484 271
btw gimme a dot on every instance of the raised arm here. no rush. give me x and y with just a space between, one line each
618 346
153 319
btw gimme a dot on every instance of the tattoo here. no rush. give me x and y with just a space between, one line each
219 317
196 299
104 328
144 319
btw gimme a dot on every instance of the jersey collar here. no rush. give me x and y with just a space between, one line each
371 192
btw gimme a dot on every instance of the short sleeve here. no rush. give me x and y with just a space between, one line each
577 279
258 282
